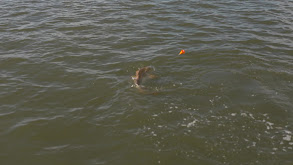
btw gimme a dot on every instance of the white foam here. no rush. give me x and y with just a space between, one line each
192 123
253 144
251 116
287 138
269 125
233 114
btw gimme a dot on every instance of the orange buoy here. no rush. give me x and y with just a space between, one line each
181 52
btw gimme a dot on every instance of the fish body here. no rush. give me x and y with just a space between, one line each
140 74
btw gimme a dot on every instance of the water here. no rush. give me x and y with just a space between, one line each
67 96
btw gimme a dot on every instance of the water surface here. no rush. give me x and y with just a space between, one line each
67 96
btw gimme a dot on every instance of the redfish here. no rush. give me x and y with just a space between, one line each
140 74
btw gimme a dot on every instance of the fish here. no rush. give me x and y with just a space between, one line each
140 74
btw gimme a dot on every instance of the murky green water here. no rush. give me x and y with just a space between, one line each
66 94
